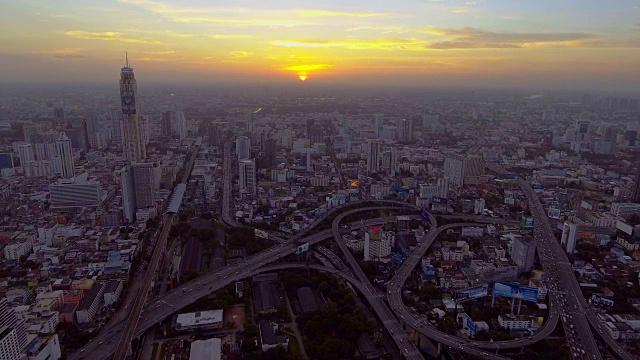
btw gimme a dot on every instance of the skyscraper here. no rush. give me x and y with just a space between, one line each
405 130
25 153
373 156
128 193
144 180
181 125
65 156
165 123
243 147
145 129
636 187
247 173
378 124
117 131
454 169
134 148
473 165
9 348
271 152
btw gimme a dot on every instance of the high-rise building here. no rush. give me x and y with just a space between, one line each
454 169
373 155
271 152
9 318
79 191
478 206
145 179
25 153
378 244
9 348
568 238
181 125
247 173
145 129
473 165
405 130
523 251
390 161
243 148
117 128
378 124
65 156
134 148
636 187
165 124
213 131
60 122
309 162
127 189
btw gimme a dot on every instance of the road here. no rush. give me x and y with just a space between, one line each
124 346
103 345
576 312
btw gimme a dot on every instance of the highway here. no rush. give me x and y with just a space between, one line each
576 312
104 344
394 297
375 298
127 335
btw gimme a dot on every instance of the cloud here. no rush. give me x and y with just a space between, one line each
240 54
62 51
327 13
305 68
404 44
88 35
166 52
228 36
109 36
472 38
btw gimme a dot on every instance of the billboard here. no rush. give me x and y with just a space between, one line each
554 213
473 328
599 300
261 234
402 191
515 291
396 259
472 293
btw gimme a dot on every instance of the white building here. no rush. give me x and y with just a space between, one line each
523 252
210 349
44 348
25 153
211 319
472 231
378 247
625 210
79 191
21 244
9 319
65 156
478 206
247 174
9 348
514 323
441 190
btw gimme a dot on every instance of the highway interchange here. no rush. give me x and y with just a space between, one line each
575 313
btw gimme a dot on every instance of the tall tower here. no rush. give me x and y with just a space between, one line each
134 148
9 319
636 187
243 148
65 156
247 173
373 156
181 125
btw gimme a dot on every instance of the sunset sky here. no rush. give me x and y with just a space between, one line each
543 43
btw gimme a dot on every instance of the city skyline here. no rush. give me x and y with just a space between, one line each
578 45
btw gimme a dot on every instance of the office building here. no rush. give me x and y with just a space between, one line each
205 320
454 169
636 186
90 304
6 161
373 156
378 245
568 238
390 161
181 125
128 193
145 179
64 156
473 165
405 130
79 191
9 319
25 154
523 251
145 129
166 121
134 148
378 124
44 348
440 190
271 152
247 173
243 148
117 128
9 348
478 206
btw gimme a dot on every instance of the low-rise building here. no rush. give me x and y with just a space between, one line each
513 322
208 320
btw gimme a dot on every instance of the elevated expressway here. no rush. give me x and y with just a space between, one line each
553 257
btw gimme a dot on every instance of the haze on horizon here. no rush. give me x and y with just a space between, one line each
570 44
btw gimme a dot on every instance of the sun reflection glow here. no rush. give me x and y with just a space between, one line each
303 77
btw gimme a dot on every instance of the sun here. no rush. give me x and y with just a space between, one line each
302 77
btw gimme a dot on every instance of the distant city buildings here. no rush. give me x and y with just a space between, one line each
247 175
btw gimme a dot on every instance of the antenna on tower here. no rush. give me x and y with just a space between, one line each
126 59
